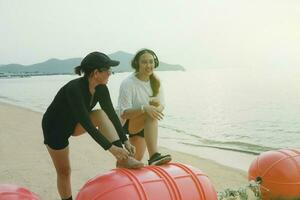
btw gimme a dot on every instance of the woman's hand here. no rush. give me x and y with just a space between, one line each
129 148
119 153
153 112
154 102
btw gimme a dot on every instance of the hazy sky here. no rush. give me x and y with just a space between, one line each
193 33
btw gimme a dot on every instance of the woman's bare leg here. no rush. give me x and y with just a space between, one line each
62 165
150 127
61 159
101 121
140 146
136 125
151 135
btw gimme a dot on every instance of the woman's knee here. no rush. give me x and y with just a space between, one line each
98 116
150 119
136 125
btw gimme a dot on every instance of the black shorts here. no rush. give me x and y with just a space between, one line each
141 133
53 137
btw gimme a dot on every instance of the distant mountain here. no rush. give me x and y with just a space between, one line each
57 66
51 66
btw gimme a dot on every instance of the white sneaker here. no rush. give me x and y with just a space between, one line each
158 159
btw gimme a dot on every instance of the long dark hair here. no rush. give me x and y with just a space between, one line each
154 81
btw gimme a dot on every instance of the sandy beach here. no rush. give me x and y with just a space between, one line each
25 160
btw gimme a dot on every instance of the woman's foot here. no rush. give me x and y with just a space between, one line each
129 163
158 159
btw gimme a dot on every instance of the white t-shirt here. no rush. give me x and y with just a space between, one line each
134 93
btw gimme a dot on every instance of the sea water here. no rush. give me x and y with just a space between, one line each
244 110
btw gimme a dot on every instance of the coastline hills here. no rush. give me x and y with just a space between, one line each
57 66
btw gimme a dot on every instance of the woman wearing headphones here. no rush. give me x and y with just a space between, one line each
141 102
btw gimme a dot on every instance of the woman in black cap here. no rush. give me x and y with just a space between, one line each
70 113
141 102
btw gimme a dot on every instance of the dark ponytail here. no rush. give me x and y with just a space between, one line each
155 85
154 81
78 70
84 70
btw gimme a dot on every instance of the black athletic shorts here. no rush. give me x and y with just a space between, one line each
141 133
54 138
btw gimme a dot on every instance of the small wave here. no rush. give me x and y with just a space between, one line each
293 132
173 129
3 97
233 146
246 145
240 146
223 148
10 100
226 145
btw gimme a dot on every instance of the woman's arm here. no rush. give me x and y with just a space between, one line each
104 99
132 113
127 111
151 109
76 102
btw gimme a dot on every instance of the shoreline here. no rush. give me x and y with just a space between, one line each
22 150
234 159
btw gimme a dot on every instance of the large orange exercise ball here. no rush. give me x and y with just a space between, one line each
168 182
279 173
15 192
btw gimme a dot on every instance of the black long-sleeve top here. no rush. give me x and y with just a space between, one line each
72 104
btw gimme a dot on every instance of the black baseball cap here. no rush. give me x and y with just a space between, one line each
98 60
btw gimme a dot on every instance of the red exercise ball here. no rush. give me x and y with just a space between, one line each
279 173
168 182
14 192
